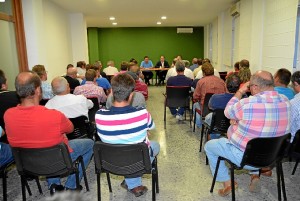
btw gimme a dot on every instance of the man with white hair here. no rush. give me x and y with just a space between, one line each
110 69
70 105
71 77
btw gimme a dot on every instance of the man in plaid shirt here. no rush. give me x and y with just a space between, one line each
264 114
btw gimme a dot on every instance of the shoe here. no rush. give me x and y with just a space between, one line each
139 190
75 189
226 191
179 117
124 185
56 188
267 172
255 183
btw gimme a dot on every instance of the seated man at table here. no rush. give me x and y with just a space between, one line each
147 73
124 124
264 114
179 80
162 63
30 125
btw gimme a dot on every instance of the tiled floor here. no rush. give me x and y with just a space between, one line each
183 174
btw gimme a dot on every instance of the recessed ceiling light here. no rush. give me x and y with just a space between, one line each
112 18
158 23
114 23
163 17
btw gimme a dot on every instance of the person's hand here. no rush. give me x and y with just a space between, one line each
245 87
148 133
233 122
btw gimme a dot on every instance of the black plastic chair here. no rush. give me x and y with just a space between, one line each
125 160
3 175
260 153
53 161
295 150
223 75
82 128
219 124
94 109
176 96
43 101
204 110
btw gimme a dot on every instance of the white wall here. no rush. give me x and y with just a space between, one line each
50 33
265 35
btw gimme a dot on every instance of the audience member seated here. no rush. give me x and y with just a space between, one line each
98 64
46 87
101 81
244 72
195 64
162 63
199 74
124 124
8 99
252 117
179 80
147 73
90 88
208 84
81 65
134 67
295 104
138 100
71 77
172 71
39 127
5 151
282 79
236 69
199 62
139 85
187 70
123 67
69 104
219 101
110 70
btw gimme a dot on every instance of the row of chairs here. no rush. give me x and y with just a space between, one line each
123 160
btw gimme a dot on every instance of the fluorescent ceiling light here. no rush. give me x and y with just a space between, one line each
163 17
114 23
158 23
112 18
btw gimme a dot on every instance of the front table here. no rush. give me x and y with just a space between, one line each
154 69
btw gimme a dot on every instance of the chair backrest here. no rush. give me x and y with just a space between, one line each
205 110
219 122
94 109
80 128
131 160
178 96
43 101
223 75
49 162
295 146
264 152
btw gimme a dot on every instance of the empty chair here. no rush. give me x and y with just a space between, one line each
176 97
261 153
53 161
130 160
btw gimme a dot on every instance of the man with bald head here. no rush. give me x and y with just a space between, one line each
264 114
30 125
71 78
69 104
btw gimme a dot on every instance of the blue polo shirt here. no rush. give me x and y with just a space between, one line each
289 93
147 65
101 82
179 80
219 101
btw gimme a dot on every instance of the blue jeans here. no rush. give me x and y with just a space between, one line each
207 120
198 117
222 147
5 154
134 182
174 111
81 147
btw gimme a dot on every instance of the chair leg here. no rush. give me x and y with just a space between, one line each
108 181
295 167
232 181
28 188
201 138
23 181
278 181
84 175
194 121
4 182
153 186
215 175
165 116
282 182
38 185
156 175
98 187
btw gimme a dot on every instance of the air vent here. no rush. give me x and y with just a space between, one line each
184 30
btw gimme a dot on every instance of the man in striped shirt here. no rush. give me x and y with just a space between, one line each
265 114
124 124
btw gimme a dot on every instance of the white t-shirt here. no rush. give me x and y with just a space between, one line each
172 72
200 74
110 70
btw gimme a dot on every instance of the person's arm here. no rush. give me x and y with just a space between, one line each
151 64
89 103
66 125
151 124
103 95
166 64
2 132
158 64
197 92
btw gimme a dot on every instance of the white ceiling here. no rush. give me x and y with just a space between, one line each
146 13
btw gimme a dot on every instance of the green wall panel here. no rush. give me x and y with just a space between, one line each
122 44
